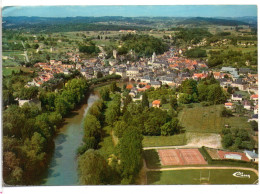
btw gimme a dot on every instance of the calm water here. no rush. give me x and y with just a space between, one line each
63 166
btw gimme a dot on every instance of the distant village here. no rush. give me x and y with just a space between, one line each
169 68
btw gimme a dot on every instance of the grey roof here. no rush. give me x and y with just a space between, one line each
230 69
237 95
244 70
251 154
255 116
239 81
155 83
146 77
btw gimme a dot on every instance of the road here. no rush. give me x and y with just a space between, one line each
170 147
25 53
203 167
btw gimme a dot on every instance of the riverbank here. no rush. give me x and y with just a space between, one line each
63 165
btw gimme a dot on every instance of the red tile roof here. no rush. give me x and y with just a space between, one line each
129 86
156 102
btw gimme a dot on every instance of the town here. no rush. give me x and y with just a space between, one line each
118 100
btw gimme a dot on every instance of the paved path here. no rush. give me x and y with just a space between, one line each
170 147
204 167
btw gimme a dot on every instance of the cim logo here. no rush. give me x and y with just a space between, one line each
241 175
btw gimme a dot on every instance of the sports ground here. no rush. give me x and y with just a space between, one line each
181 157
188 166
188 177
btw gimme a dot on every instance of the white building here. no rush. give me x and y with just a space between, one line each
252 156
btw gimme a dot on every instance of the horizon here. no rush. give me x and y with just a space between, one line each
132 11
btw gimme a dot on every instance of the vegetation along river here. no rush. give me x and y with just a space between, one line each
63 165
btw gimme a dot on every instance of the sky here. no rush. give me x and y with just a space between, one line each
133 10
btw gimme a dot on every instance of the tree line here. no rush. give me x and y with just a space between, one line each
142 45
124 165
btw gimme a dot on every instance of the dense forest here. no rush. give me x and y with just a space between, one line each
142 45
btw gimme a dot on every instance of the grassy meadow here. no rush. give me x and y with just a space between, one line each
209 120
175 140
186 177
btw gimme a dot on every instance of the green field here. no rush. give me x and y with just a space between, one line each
208 119
175 140
8 71
217 176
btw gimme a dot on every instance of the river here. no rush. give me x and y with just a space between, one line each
63 165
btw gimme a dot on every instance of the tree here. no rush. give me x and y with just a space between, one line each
89 143
120 128
145 102
99 74
113 87
130 154
113 111
216 94
36 46
8 97
226 112
12 173
104 93
203 91
28 93
227 140
93 168
163 100
61 105
189 86
13 121
239 108
127 100
196 53
92 127
185 98
170 128
254 125
173 102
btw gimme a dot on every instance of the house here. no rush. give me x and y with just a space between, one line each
252 156
129 86
247 105
156 103
132 72
240 84
236 97
155 84
121 72
231 70
66 72
166 80
30 102
254 97
133 93
229 105
244 71
199 75
254 118
218 75
256 109
83 72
